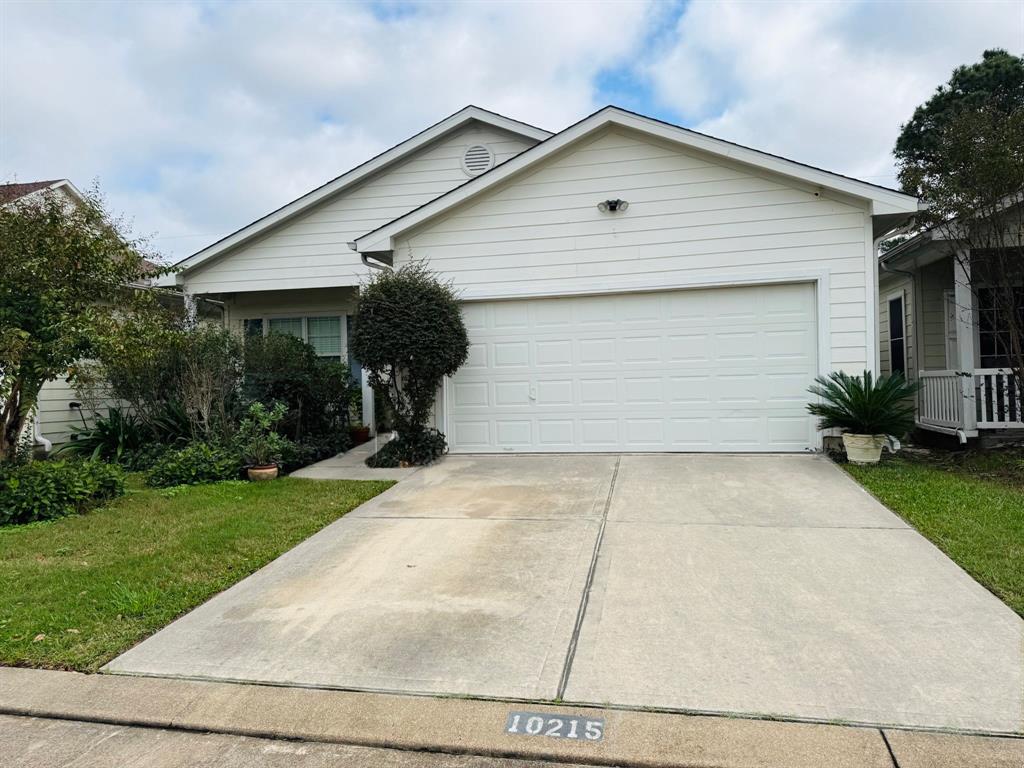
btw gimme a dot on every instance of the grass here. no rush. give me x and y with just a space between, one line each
969 505
80 590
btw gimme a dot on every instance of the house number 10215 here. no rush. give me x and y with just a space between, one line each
555 726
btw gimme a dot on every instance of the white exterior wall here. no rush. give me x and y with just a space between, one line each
693 220
311 250
302 303
55 417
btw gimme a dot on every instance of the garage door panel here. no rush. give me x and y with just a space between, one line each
716 369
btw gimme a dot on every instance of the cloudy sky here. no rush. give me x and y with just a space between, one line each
197 117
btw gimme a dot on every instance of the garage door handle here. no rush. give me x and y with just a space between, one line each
533 393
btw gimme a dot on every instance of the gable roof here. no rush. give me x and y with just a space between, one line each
11 192
360 172
884 201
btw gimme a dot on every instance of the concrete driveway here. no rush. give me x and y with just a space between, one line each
768 585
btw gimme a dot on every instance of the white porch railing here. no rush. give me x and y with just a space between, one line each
997 401
940 401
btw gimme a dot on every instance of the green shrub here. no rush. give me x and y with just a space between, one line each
280 368
111 438
416 449
43 490
194 464
409 334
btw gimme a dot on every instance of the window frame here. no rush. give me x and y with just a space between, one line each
342 318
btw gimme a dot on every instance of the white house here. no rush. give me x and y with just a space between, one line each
628 284
947 331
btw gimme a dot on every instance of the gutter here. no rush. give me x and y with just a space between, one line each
383 266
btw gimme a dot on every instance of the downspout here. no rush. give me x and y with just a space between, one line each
37 436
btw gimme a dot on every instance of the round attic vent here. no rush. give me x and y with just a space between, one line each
477 159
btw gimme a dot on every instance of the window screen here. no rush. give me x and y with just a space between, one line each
325 336
897 342
253 327
292 325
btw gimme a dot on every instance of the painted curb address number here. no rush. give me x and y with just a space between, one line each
555 726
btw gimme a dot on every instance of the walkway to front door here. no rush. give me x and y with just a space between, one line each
747 584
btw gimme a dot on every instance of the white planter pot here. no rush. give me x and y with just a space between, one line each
863 449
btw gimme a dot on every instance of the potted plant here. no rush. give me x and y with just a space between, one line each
866 409
262 447
359 433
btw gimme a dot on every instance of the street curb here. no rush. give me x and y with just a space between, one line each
474 727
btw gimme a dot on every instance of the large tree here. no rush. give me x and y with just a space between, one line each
65 267
963 154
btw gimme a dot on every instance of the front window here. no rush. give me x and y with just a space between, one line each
324 334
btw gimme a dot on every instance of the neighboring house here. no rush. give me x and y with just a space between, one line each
60 409
628 284
938 328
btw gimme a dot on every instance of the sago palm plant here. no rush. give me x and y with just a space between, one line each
864 405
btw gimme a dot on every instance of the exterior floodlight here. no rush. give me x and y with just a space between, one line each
611 206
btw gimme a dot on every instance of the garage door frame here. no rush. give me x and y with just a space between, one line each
647 284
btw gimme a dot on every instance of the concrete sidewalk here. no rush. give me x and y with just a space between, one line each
168 721
351 465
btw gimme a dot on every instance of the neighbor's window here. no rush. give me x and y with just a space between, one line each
897 337
324 334
993 330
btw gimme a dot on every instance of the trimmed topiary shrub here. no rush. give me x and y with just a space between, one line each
409 334
194 464
43 490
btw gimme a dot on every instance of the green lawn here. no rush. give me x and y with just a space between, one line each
971 507
80 590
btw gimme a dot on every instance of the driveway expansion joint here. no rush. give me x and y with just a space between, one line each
570 654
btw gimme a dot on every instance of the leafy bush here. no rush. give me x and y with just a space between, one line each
43 490
111 438
194 464
864 405
258 443
423 448
409 334
280 368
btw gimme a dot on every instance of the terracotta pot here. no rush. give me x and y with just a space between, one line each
359 435
863 449
256 474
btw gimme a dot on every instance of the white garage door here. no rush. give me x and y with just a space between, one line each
719 369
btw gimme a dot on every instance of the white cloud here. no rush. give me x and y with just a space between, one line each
197 118
825 83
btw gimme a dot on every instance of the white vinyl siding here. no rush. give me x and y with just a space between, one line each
721 369
692 218
56 417
312 249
